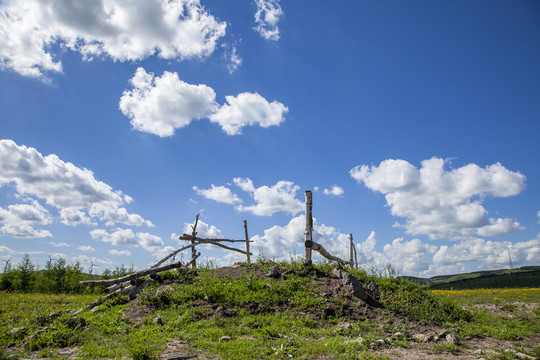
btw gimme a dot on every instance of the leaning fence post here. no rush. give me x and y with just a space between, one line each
193 250
247 242
309 228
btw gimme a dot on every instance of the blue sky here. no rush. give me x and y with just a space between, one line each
415 124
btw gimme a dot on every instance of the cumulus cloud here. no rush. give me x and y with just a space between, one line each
204 230
160 105
248 109
268 199
19 220
271 199
74 191
120 252
443 203
5 249
60 244
86 248
119 30
126 237
414 257
282 242
334 191
220 194
267 17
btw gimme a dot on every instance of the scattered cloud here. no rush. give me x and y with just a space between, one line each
271 199
414 257
86 248
203 230
267 18
248 109
119 30
220 194
120 252
19 220
60 244
128 237
160 105
268 199
5 249
233 59
284 242
334 191
443 203
74 191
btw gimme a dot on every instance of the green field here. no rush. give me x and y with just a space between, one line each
247 315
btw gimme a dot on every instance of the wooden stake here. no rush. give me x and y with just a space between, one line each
193 250
309 228
247 242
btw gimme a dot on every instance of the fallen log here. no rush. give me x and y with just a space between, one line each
138 288
131 276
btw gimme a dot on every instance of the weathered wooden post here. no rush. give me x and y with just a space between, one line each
247 242
309 228
353 258
193 250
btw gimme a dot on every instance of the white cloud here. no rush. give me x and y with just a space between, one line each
86 248
19 220
120 252
415 257
160 105
75 191
5 249
203 230
267 17
439 202
284 242
269 200
127 237
218 193
120 30
334 191
60 244
248 109
233 59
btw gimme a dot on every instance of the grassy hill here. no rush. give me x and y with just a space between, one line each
528 276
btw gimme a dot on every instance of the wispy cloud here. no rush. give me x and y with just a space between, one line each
267 18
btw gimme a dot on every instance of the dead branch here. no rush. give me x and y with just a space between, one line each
173 254
326 254
214 242
131 276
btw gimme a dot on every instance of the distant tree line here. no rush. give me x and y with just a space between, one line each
57 277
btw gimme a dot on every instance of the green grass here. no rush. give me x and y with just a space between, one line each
261 318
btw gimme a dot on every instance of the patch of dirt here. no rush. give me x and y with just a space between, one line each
513 310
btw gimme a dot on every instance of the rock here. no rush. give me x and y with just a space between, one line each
225 338
267 261
357 340
380 342
398 336
452 339
157 320
373 290
343 326
351 283
273 273
422 338
267 285
15 332
523 356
